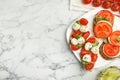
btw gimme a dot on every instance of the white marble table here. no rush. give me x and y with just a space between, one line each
33 44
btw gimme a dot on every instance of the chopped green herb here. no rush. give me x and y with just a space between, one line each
79 44
106 19
95 44
105 41
99 18
118 39
94 23
77 37
78 22
84 62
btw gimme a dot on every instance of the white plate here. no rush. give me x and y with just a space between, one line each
90 16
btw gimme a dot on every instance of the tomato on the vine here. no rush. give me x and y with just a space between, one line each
106 4
86 1
115 7
97 3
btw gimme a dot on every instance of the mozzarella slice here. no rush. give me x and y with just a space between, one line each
83 28
81 40
74 41
76 26
95 49
88 45
86 58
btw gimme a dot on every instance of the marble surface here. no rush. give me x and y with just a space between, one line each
33 44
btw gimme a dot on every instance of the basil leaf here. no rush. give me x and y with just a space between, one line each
77 37
84 62
118 39
79 44
78 22
99 18
95 44
106 19
105 41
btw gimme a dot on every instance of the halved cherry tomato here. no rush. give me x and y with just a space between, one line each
110 50
74 47
106 14
94 57
106 4
84 52
76 33
89 66
114 38
83 21
86 1
91 40
97 3
102 30
115 7
86 35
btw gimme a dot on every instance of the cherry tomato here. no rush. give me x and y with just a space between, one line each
89 66
97 3
74 47
86 35
106 4
84 52
116 0
94 57
115 7
83 21
86 1
92 40
76 33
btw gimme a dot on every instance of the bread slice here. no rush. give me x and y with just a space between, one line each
104 55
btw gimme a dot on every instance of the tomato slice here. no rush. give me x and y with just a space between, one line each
89 66
105 14
114 38
83 21
91 40
84 52
74 47
110 50
94 57
97 3
76 33
86 1
86 35
102 30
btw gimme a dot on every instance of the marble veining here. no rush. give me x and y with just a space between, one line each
32 41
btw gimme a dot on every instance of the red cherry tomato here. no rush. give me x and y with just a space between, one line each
106 4
84 52
94 57
92 40
83 21
76 33
115 7
89 66
74 47
86 1
86 35
97 3
116 0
